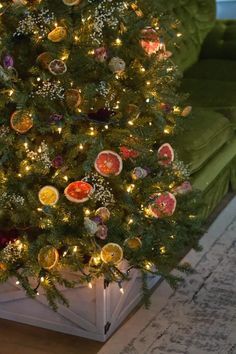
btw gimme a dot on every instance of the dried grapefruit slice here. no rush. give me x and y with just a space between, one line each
163 205
166 155
78 192
108 163
150 41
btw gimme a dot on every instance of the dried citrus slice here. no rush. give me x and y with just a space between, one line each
78 192
71 2
48 257
58 34
150 41
184 188
3 267
21 121
103 213
44 59
57 67
166 155
112 253
186 111
163 205
20 2
133 243
48 195
73 98
108 163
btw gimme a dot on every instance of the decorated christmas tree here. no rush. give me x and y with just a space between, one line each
90 175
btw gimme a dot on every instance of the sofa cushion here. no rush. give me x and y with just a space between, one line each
205 132
211 83
221 41
196 19
210 93
230 114
216 176
213 69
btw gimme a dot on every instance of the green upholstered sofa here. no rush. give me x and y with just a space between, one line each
207 57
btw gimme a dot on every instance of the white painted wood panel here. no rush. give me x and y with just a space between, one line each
93 313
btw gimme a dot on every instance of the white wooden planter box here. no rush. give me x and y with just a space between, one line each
93 313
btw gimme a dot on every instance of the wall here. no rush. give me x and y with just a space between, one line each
226 9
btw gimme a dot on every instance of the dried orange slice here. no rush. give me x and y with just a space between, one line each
71 2
21 121
3 267
57 67
112 253
44 59
73 98
58 34
48 195
48 257
134 243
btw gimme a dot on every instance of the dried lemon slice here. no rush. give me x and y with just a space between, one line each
48 195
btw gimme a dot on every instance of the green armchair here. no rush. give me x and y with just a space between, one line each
207 57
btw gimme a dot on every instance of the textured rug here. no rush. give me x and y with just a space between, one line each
198 318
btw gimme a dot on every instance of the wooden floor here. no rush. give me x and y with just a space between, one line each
22 339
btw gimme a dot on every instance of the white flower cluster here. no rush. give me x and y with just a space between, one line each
102 190
35 23
106 14
42 154
12 252
7 199
104 90
181 168
50 89
4 131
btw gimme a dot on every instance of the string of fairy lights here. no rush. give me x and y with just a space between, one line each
42 88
